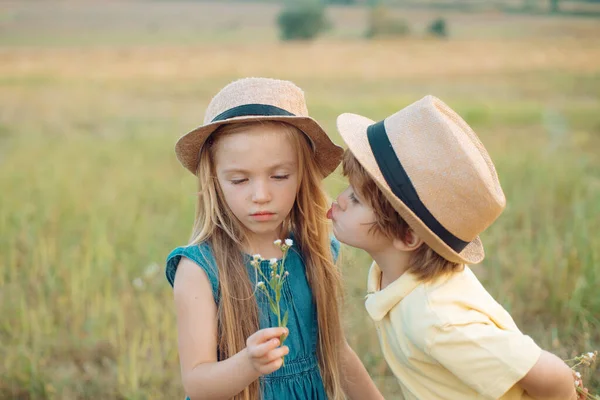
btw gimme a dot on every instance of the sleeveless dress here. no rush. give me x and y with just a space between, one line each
300 377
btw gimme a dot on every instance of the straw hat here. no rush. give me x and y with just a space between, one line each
434 170
259 99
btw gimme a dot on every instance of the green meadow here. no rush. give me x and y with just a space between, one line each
93 97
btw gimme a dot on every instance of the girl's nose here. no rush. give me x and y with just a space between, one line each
261 193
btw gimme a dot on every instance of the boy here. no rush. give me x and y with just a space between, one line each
422 188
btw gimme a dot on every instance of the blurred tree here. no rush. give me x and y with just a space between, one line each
554 6
529 5
340 1
383 23
302 20
438 28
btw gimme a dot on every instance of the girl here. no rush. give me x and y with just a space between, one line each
260 160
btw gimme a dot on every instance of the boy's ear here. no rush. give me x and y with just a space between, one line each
411 241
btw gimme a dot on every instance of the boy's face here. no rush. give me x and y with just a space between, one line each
353 221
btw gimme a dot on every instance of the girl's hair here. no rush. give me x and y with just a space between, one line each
216 224
425 263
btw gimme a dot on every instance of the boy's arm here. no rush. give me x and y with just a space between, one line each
549 379
491 360
356 381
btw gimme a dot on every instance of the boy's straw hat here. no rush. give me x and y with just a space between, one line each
435 172
259 99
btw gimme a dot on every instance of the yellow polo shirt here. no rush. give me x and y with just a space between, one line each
449 339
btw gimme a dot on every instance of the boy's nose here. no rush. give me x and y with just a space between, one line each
341 201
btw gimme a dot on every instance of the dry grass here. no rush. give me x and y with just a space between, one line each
410 58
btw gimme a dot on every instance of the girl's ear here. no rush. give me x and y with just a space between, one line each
411 241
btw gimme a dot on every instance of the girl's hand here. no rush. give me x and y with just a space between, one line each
263 351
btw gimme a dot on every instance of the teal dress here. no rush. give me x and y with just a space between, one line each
300 377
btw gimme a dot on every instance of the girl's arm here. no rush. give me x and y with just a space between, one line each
356 381
203 376
550 379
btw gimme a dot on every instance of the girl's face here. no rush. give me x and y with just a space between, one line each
257 169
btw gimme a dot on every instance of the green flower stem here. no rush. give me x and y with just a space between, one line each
262 274
275 283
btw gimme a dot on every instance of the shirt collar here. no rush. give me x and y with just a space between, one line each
379 302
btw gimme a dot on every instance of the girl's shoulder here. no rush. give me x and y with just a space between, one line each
335 248
202 255
197 252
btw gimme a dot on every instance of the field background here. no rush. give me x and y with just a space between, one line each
93 96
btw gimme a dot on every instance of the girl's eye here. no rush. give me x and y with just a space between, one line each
238 181
281 177
353 198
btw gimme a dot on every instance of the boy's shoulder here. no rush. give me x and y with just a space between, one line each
461 287
459 293
457 299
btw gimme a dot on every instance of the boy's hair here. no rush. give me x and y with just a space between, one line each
425 263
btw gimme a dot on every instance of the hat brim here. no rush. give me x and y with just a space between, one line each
353 130
327 154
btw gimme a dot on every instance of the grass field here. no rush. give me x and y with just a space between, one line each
94 95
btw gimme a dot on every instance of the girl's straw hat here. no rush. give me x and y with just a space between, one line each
259 99
434 170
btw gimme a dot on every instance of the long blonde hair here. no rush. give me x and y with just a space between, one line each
216 224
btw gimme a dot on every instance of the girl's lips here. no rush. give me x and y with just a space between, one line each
330 213
263 216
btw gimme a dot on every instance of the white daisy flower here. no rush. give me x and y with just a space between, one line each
138 283
151 270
